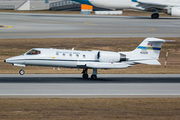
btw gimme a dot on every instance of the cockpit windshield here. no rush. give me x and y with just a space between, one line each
34 52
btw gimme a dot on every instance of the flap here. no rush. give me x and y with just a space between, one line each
107 65
149 62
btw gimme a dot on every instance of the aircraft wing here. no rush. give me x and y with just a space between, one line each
151 3
104 65
149 62
150 6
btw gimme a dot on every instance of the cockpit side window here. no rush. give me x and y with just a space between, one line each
34 52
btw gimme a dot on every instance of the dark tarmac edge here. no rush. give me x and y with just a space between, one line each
89 96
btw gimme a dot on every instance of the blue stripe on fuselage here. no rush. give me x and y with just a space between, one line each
83 2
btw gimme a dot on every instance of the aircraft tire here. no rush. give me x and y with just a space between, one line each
94 77
85 76
155 16
21 72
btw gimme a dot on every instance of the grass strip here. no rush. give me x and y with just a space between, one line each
90 108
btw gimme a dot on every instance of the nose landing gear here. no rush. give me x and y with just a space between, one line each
21 72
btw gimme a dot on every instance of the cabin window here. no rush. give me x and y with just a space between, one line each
34 52
70 55
84 56
77 55
64 54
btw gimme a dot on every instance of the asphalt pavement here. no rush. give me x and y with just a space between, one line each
74 86
28 25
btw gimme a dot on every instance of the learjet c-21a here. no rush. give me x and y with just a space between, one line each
146 53
171 7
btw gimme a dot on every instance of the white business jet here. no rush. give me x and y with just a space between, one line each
146 53
171 7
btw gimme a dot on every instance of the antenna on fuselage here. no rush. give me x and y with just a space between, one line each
73 48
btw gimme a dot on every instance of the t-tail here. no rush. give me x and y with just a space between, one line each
147 52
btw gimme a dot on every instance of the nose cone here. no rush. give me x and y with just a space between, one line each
16 60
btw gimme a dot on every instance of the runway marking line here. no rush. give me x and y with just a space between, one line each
91 23
16 34
5 27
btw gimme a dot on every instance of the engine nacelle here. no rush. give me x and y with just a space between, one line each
174 11
110 57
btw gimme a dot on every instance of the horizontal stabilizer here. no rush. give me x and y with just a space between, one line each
107 65
160 40
149 62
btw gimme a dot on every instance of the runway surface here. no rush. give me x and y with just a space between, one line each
73 86
21 25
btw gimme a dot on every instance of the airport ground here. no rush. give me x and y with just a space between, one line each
113 108
14 47
90 109
125 12
33 25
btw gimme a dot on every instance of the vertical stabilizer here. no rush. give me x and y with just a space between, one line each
24 6
149 49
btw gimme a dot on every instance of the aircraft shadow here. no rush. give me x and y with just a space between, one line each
81 80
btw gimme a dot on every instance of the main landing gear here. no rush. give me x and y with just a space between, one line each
21 72
155 16
93 76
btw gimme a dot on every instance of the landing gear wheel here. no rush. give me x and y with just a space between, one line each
94 77
21 72
155 16
85 76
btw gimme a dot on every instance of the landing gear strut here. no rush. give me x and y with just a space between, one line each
85 76
84 72
93 76
21 72
155 16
